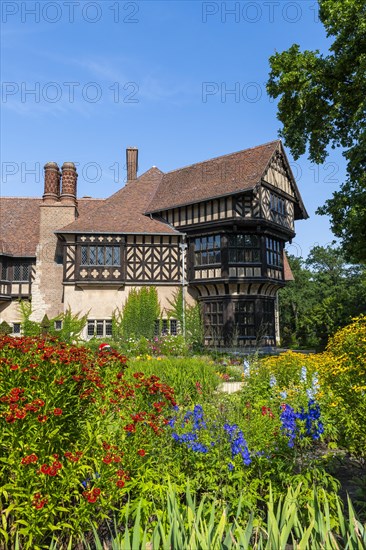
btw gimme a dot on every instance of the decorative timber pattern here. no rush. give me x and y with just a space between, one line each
246 206
277 209
153 258
69 262
278 175
208 211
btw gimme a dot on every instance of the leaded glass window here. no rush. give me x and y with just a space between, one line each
244 318
244 249
277 204
21 272
274 252
100 255
213 319
207 250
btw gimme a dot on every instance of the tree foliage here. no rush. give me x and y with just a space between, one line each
323 102
324 296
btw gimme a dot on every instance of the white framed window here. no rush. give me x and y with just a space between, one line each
99 328
58 324
166 326
17 328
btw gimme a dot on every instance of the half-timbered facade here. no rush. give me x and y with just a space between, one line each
218 228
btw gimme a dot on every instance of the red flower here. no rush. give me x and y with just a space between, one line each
42 418
120 483
44 469
141 452
38 501
107 459
198 387
52 471
20 414
57 411
130 428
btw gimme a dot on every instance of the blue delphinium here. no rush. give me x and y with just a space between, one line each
313 426
238 443
190 439
288 419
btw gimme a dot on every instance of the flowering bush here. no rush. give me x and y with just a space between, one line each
75 434
336 378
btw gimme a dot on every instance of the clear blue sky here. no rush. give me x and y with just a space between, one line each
153 74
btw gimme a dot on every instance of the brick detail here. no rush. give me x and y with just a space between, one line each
51 182
47 288
69 179
132 163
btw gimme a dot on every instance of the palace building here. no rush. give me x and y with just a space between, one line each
217 228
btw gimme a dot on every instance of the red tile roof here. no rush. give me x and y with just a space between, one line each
19 223
287 272
123 212
213 178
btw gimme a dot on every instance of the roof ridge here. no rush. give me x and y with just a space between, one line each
27 198
223 156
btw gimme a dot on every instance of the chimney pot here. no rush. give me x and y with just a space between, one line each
69 179
132 154
51 182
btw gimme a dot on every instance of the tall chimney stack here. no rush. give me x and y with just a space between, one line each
69 178
132 154
51 182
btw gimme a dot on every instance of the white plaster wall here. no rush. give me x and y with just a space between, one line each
101 302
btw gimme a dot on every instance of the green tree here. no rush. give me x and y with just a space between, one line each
324 296
323 102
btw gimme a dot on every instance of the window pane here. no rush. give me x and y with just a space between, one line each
25 272
84 255
108 255
17 273
101 255
90 328
173 327
100 328
16 328
92 255
116 255
108 328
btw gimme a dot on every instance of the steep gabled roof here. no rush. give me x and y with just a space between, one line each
123 212
220 176
216 177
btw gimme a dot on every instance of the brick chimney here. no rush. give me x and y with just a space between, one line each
132 154
69 178
51 182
